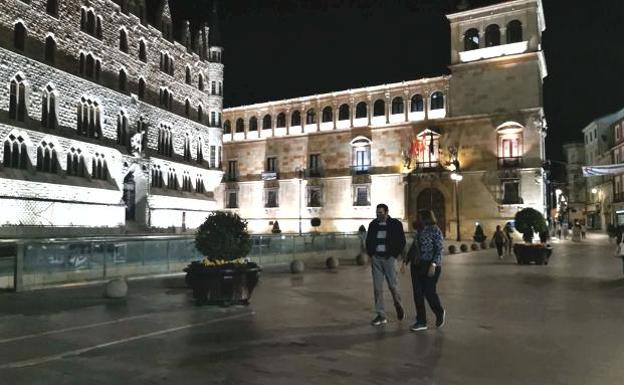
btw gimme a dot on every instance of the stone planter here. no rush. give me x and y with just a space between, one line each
532 253
222 285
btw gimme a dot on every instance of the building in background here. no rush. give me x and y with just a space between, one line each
335 156
618 180
576 192
599 139
106 121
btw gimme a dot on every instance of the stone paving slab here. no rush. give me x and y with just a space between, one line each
508 324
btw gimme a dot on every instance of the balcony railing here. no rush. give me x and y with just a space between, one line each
618 196
360 170
270 175
427 166
510 162
314 173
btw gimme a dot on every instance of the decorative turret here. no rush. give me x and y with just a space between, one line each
185 35
216 44
165 21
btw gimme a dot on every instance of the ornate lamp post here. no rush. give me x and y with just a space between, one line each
456 177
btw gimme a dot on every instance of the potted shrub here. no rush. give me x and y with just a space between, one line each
530 221
224 276
276 229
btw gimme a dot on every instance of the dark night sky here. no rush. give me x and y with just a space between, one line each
276 49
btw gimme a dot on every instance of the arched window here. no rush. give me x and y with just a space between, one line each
89 119
141 89
514 31
75 163
123 81
91 22
492 35
142 128
295 118
19 36
418 104
200 113
165 141
398 107
186 182
428 149
240 125
200 150
123 137
166 99
48 108
187 147
15 152
90 66
266 122
327 115
142 51
50 50
46 158
253 124
172 179
199 185
123 40
471 39
227 127
200 82
157 178
99 170
437 100
311 117
17 99
361 110
281 120
343 112
187 108
83 19
361 154
188 77
379 108
98 69
52 7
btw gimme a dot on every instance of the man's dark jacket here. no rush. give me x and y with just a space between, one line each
395 238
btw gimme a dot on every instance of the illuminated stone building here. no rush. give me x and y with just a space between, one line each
337 155
106 120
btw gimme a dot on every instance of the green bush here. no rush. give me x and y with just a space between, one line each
223 236
530 221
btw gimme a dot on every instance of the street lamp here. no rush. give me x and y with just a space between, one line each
457 177
300 175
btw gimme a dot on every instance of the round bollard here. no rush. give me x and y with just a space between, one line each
361 259
463 247
332 263
297 267
484 245
117 288
452 249
474 247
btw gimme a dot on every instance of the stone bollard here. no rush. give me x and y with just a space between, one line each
116 288
463 247
361 259
452 249
332 263
297 267
474 247
484 245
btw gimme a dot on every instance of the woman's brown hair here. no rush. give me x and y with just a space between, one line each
427 217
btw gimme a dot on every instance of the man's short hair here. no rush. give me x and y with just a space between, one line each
382 206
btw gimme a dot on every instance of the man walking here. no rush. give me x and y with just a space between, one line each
384 243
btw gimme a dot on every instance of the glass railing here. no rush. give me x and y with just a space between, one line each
78 260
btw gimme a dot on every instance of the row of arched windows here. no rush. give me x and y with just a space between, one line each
397 106
472 38
172 180
90 66
88 118
16 156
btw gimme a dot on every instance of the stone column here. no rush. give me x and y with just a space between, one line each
351 113
369 110
503 35
335 114
426 103
304 116
288 121
406 105
273 121
388 107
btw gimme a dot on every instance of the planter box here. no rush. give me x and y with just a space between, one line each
538 254
222 285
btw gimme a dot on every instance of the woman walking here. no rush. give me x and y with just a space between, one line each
499 240
425 269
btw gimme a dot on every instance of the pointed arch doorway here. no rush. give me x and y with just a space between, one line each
432 199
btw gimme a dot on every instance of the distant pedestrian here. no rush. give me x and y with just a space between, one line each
583 230
576 232
619 251
426 269
509 235
385 241
499 239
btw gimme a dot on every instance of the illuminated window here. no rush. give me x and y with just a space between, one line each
427 149
361 154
